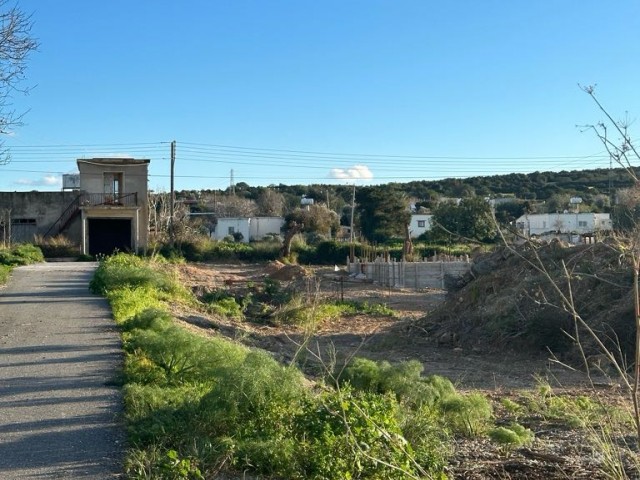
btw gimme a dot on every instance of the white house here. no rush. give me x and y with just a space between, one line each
420 223
563 223
251 228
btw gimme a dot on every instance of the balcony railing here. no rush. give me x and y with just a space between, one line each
90 200
108 200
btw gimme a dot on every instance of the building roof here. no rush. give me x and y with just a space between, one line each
114 161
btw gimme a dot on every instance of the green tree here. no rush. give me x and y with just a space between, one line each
471 219
315 218
558 203
509 211
383 212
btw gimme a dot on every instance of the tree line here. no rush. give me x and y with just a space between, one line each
382 212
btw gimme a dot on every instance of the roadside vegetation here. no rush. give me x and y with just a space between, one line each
23 254
202 406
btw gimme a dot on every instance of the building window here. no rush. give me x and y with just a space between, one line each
582 223
421 223
23 221
231 230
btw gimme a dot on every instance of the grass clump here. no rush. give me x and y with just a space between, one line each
467 415
123 269
222 303
404 380
515 435
298 311
5 273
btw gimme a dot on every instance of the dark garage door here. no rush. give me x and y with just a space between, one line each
109 234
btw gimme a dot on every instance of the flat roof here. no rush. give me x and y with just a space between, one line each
115 160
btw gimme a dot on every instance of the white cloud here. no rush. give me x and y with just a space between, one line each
46 181
357 172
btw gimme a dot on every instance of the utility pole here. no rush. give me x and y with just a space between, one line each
351 236
173 194
232 184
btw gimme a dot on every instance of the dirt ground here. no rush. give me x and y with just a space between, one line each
394 339
558 452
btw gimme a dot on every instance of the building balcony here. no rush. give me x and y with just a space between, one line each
108 200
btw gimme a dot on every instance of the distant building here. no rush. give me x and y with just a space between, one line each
420 223
251 228
106 209
553 224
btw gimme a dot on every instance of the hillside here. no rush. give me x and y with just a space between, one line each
531 186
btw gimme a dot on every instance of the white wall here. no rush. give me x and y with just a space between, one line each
420 223
261 226
581 223
238 224
252 228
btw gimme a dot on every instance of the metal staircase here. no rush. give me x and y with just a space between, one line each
67 216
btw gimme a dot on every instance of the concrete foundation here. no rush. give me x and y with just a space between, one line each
415 275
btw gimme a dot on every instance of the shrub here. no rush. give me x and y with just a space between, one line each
403 379
363 424
257 397
150 319
467 415
514 436
222 303
126 270
23 254
128 301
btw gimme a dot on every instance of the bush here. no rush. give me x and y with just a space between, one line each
23 254
128 301
126 270
514 436
403 379
363 424
324 253
467 415
222 303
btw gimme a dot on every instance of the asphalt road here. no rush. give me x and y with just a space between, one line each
60 415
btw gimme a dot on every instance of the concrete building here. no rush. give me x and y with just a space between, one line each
251 228
420 223
109 211
550 224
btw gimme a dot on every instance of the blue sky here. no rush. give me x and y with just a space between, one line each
301 91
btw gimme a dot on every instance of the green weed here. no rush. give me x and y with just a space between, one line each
404 380
468 415
5 273
515 435
223 303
